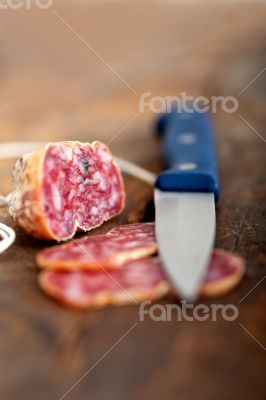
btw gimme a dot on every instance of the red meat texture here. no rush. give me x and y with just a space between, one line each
112 250
136 280
82 187
222 265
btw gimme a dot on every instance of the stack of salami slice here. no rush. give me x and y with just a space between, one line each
121 267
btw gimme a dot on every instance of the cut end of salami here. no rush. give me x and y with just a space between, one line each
224 273
137 281
122 244
66 186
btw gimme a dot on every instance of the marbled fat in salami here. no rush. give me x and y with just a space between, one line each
122 244
139 230
136 281
64 187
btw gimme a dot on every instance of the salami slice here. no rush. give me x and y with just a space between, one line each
66 186
142 230
122 244
137 281
225 271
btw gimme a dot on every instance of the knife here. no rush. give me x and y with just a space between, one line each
185 195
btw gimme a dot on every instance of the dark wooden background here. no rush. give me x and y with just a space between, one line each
52 87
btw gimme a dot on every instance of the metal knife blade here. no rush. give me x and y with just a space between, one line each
185 231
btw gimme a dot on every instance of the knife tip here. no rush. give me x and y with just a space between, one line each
189 293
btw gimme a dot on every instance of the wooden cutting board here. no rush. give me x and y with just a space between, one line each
55 86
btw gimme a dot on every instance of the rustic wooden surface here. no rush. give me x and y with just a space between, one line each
51 88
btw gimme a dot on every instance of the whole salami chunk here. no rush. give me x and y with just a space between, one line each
66 186
102 251
137 281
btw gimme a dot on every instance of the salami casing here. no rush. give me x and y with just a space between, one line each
122 244
64 187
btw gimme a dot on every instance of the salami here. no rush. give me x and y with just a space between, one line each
137 281
225 271
122 244
143 230
64 187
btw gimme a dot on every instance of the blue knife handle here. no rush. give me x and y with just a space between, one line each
188 152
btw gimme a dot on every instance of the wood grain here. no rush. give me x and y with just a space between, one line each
54 88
